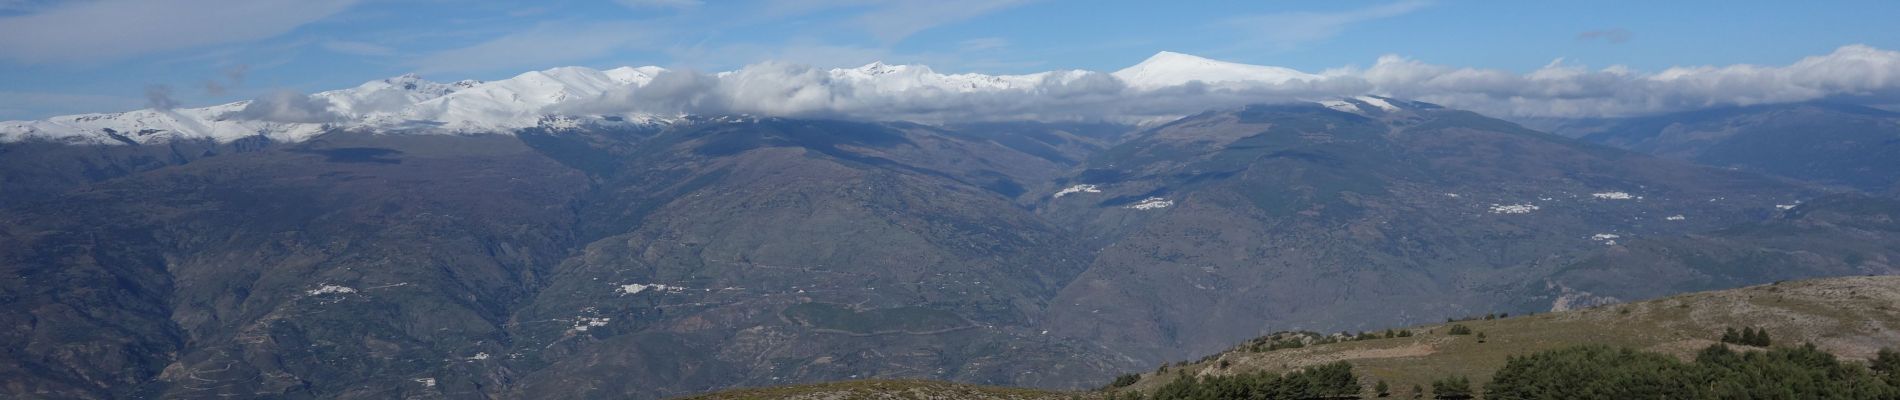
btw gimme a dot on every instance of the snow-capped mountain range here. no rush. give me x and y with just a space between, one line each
550 99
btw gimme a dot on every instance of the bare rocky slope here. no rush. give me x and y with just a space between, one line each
1227 225
724 252
1835 144
1851 317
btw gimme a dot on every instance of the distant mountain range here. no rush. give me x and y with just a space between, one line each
1220 226
1847 317
566 98
1834 144
504 239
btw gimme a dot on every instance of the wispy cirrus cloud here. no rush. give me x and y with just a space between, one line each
660 3
23 6
686 38
21 105
1855 73
105 30
896 20
356 48
541 46
982 44
1611 35
1286 30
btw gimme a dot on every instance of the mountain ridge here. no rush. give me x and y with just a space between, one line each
561 98
1829 143
1676 326
725 251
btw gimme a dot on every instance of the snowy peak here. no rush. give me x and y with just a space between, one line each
879 71
1168 68
415 84
149 126
523 101
880 68
400 102
638 76
1374 106
567 97
878 77
380 98
1165 57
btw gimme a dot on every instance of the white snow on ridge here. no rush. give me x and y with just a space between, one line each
521 101
388 96
1078 189
398 103
637 76
1167 69
153 126
583 323
1162 87
569 97
1340 105
1613 196
332 289
637 288
1514 208
1377 102
884 78
1152 203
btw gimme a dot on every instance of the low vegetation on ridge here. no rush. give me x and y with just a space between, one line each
1829 338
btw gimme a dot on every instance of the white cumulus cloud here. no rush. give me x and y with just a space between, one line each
287 106
1852 72
103 30
1559 90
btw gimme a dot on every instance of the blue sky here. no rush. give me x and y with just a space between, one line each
62 57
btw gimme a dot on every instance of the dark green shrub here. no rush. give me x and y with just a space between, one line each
1452 388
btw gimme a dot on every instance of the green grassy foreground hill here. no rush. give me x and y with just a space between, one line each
1850 317
892 390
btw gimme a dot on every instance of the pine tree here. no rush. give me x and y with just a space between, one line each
1887 361
1731 336
1717 373
1754 337
1381 389
1418 392
1887 365
1456 388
